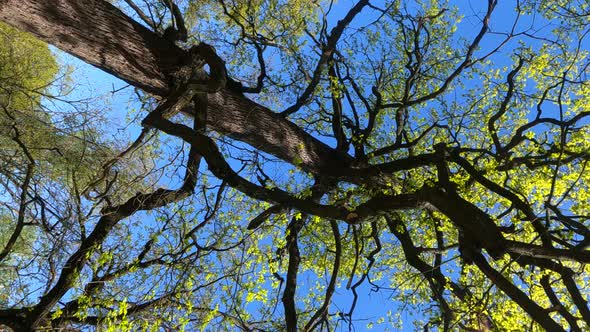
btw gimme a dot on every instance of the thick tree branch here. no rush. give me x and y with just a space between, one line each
103 36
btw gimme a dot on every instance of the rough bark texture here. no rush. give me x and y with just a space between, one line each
240 118
101 35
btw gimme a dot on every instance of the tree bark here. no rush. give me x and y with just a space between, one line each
103 36
100 34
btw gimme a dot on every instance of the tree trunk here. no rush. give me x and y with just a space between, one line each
101 35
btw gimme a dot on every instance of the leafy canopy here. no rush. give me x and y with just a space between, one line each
456 184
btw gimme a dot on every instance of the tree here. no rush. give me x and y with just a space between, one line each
430 151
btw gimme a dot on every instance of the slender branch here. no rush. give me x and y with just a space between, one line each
110 217
24 188
571 320
537 313
327 52
293 229
323 310
146 19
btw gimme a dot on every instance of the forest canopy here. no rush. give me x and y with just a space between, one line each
296 165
